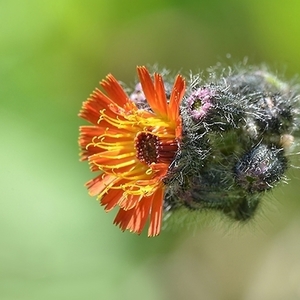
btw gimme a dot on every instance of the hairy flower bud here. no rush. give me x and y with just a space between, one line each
260 168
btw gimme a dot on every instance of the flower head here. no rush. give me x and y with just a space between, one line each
132 148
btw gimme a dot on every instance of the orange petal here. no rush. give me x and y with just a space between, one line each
87 133
91 108
130 201
156 213
135 218
148 89
123 218
108 161
161 100
111 199
114 90
176 97
99 184
141 215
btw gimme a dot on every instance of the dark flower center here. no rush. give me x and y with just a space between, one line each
146 145
150 149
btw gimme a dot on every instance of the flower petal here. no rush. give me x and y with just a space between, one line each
136 218
111 199
114 90
151 93
98 185
87 133
161 99
176 97
156 213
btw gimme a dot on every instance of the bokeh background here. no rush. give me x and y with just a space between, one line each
56 241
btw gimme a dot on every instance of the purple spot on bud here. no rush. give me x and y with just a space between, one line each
200 102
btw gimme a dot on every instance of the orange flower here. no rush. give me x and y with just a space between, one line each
133 148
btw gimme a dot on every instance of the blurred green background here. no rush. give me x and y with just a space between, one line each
56 242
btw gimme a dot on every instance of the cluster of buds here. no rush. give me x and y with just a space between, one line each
215 142
239 127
